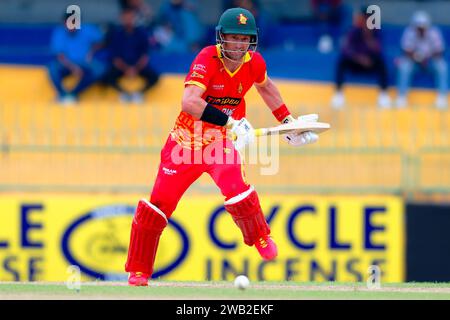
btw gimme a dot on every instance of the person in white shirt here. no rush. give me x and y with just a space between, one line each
423 47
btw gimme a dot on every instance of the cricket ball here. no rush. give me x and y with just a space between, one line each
241 282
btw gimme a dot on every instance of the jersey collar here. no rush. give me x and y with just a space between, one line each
247 58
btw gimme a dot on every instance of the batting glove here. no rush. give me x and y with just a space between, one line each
308 137
242 132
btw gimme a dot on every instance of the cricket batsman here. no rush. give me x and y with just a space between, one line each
213 100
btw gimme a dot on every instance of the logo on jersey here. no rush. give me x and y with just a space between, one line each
222 101
240 88
218 86
197 75
242 19
199 67
169 172
228 111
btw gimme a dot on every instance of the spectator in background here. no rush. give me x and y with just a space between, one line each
179 29
329 15
74 51
263 19
361 53
129 47
423 47
144 12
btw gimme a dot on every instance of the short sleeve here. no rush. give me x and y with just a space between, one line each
201 70
259 69
408 40
143 42
57 41
96 34
437 40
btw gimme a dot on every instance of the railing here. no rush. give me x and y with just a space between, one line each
35 168
103 146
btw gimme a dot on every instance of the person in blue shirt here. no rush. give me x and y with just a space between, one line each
73 51
423 47
179 28
129 46
362 53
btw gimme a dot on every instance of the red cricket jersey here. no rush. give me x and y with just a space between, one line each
224 90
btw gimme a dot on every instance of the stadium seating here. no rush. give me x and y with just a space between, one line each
292 55
101 143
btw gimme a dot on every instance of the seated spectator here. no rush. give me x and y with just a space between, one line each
129 47
328 14
361 53
179 29
74 55
423 47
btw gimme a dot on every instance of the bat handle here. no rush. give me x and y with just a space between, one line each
260 132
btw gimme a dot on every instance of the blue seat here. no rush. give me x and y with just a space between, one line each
292 54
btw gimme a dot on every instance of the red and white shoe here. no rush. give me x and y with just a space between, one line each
267 248
138 279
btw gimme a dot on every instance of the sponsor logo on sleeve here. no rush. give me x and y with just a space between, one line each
199 67
197 75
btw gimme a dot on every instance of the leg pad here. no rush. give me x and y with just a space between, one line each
248 216
146 229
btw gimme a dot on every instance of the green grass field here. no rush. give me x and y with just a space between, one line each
226 291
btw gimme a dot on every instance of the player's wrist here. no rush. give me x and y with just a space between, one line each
214 116
230 123
281 113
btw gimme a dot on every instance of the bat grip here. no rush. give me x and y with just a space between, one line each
260 132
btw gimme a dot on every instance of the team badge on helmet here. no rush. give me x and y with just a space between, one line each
242 19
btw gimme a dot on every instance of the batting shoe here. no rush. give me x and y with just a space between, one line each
441 101
338 101
384 101
138 279
267 248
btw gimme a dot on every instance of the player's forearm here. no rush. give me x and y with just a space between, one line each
437 54
193 105
96 47
202 110
120 64
270 94
272 97
142 62
66 62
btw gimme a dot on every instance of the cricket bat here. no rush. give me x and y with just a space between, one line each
294 127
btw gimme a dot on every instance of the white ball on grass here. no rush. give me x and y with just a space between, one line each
241 282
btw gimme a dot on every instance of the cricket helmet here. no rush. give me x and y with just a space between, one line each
237 21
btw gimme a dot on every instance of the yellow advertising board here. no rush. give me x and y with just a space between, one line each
319 238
